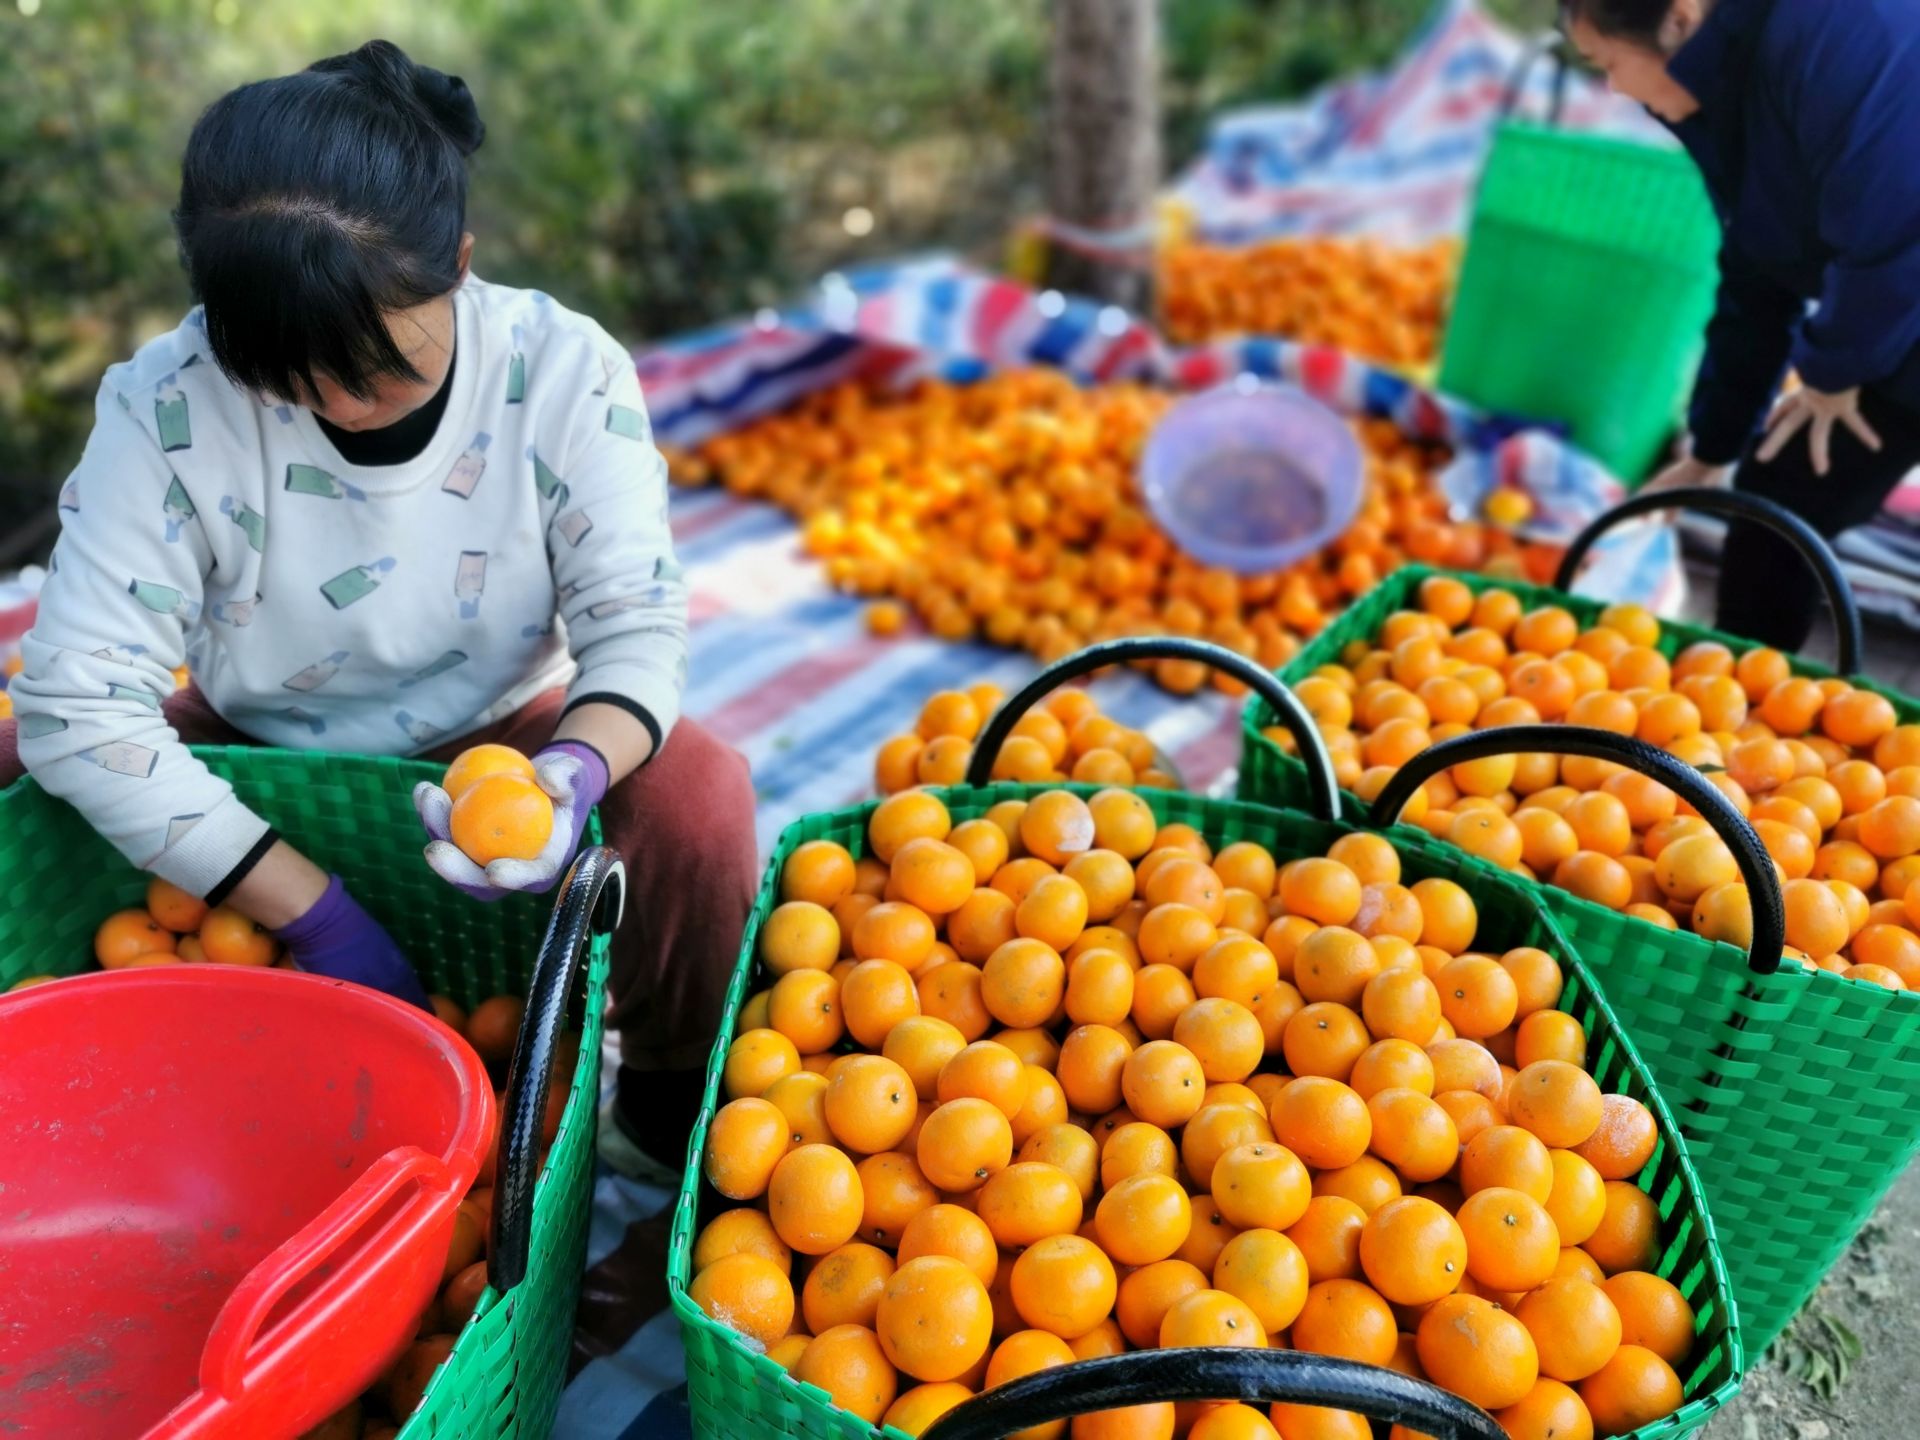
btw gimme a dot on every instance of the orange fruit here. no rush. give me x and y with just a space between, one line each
934 1318
1368 1182
1223 1036
954 1232
1324 1039
892 1192
1122 822
1027 1352
229 938
1064 1285
1314 1422
1046 1105
1413 1134
984 1070
747 1293
125 937
1478 1351
1056 826
932 875
1507 1156
1550 1035
1322 1121
1477 996
1105 879
754 1061
1578 1201
1212 1318
814 1199
914 1411
1624 1140
844 1287
743 1231
1347 1319
1261 1185
818 871
963 1143
1321 890
1891 828
876 996
1628 1234
1327 1236
1236 968
1023 982
174 908
1634 1388
1334 964
804 1006
896 764
1152 1421
1099 988
1144 1218
1264 1271
910 815
746 1139
1412 1251
870 1103
1653 1314
1213 1132
1511 1241
983 922
501 816
1464 1065
1054 912
475 764
893 931
922 1045
1391 1065
1401 1004
799 935
1558 1102
952 992
849 1363
1163 1083
1069 1149
1089 1070
1574 1325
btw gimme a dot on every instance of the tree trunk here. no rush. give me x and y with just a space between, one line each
1104 141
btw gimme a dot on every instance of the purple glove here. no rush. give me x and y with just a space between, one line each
575 778
337 938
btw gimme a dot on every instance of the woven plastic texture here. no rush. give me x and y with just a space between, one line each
354 815
1798 1094
1588 278
736 1392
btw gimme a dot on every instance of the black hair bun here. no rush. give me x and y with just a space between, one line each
451 104
442 99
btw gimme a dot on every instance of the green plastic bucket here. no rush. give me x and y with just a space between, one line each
736 1392
353 815
1798 1093
1585 289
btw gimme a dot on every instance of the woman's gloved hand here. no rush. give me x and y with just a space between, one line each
575 778
338 939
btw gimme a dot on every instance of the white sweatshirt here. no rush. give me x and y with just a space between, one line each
322 605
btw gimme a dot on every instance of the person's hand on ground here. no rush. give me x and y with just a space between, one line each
338 939
1816 412
575 779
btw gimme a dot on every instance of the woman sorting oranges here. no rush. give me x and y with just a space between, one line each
1804 118
375 504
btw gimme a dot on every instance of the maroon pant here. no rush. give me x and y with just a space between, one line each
684 825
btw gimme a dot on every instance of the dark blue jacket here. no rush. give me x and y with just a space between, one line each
1808 136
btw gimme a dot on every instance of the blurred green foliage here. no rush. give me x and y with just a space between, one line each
656 163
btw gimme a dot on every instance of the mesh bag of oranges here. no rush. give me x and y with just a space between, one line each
1794 1087
1017 1078
492 1357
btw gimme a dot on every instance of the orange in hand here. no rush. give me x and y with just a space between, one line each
474 765
501 817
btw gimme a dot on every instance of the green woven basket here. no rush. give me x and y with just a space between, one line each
353 815
1798 1093
1585 289
736 1392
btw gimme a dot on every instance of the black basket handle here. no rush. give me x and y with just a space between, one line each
1756 866
1739 504
592 898
1550 42
1215 1373
1313 750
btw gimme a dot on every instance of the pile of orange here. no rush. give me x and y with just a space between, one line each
1006 510
1825 772
378 1414
1377 301
174 927
1062 1081
1065 738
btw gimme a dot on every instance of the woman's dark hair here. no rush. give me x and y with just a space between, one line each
311 203
1635 20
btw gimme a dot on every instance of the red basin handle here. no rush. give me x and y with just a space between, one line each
237 1327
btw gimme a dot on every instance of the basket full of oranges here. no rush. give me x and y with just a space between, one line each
1793 1082
1020 1081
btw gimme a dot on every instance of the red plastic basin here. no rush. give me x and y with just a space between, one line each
225 1195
